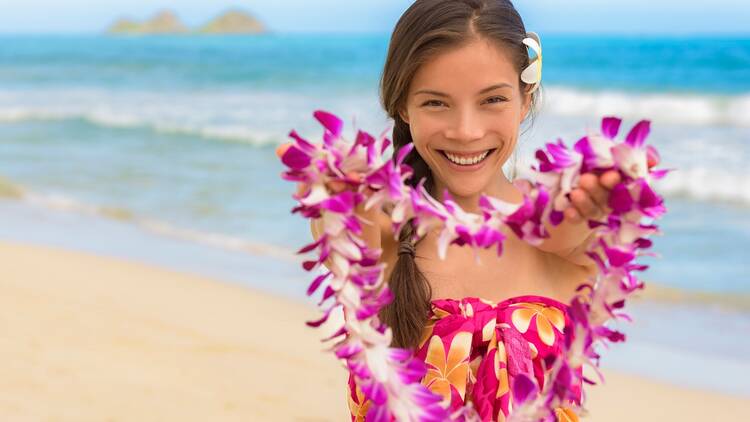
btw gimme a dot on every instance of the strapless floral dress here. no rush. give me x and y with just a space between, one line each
473 349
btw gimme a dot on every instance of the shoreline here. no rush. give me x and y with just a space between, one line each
25 215
662 330
100 338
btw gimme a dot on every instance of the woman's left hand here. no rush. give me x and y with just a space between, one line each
589 200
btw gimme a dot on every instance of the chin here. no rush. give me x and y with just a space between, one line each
459 188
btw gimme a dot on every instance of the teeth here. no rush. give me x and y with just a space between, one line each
466 161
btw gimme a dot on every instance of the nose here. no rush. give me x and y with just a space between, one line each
466 126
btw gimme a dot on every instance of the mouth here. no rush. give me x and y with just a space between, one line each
464 161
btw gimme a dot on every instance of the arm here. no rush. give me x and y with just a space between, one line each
371 222
570 241
572 237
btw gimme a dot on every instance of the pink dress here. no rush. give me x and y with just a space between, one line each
473 349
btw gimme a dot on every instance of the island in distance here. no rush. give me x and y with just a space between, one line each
166 22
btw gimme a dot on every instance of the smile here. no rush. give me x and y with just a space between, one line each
466 161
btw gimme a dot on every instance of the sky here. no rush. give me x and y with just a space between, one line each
571 16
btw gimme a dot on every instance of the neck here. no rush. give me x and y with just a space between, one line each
500 188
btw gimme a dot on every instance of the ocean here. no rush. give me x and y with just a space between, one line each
175 136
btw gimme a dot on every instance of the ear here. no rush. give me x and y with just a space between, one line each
404 115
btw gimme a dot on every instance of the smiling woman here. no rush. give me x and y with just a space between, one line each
452 84
455 84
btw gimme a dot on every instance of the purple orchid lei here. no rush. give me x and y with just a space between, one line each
390 377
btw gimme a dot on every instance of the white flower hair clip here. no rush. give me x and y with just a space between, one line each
532 75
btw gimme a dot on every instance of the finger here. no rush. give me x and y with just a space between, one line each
598 193
610 179
281 149
573 215
585 205
354 176
336 186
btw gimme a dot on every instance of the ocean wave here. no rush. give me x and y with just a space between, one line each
65 203
253 117
111 120
262 118
693 138
696 182
706 185
675 108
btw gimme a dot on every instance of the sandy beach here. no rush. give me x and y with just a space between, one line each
92 338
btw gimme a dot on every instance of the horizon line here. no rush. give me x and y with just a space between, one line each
271 31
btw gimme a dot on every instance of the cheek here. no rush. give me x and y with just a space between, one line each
508 135
510 139
417 138
425 152
421 135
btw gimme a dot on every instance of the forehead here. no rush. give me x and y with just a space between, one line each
468 68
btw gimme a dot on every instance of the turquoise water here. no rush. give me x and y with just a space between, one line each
320 62
176 134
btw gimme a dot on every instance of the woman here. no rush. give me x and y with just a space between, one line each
455 84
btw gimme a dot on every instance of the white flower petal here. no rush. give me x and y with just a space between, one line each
531 74
399 212
534 45
633 162
349 296
333 224
346 247
318 194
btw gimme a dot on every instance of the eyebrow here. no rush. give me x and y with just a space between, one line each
485 90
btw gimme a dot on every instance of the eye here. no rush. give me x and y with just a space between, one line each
499 100
428 103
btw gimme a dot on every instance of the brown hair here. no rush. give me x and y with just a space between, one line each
427 28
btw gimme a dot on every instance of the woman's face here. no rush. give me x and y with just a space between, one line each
462 104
